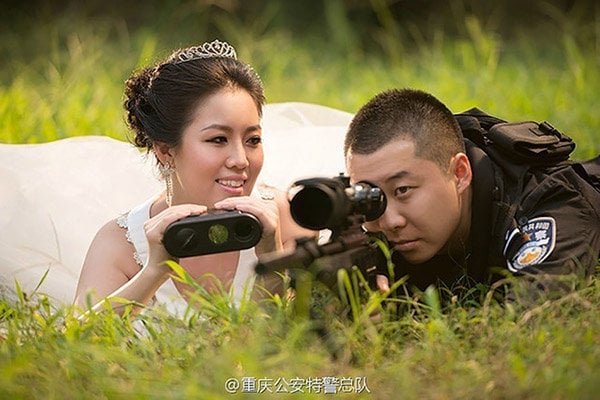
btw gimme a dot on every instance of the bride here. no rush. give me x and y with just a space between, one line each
59 195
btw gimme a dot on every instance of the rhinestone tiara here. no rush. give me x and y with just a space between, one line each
215 48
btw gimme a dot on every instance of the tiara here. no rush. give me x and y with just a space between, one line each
215 48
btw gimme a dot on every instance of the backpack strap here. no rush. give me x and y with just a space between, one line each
475 124
487 192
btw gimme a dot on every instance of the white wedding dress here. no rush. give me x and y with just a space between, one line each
55 196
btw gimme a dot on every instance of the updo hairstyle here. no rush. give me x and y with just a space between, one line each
160 100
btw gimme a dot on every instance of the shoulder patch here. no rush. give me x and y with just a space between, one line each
538 237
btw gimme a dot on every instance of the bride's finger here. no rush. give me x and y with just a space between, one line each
158 224
266 211
248 204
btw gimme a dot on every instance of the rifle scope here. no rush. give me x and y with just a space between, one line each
324 203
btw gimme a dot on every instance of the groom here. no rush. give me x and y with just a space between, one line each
459 210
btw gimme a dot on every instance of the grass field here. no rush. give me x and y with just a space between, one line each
63 76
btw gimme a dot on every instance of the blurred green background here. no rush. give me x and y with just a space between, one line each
63 65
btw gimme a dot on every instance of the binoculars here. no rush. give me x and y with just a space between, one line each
218 231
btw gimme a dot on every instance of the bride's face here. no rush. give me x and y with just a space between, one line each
221 153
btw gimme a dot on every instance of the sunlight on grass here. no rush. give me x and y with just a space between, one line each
77 89
429 348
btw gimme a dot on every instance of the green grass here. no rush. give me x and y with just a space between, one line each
74 85
459 349
63 76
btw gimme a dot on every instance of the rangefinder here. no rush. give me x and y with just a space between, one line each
218 231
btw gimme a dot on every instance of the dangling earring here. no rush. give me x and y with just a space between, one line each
167 172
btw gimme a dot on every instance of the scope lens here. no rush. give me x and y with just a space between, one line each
312 206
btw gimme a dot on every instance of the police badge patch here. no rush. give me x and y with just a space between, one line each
538 238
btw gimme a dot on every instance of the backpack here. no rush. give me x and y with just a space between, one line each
518 147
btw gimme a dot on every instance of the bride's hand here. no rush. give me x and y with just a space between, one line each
155 228
267 211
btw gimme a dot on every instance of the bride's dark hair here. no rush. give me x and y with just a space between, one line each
160 100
